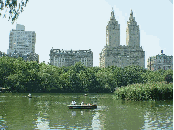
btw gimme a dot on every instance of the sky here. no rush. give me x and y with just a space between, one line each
81 25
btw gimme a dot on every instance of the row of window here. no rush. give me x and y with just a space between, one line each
22 32
69 52
164 67
165 61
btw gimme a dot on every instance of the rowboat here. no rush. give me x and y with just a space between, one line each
88 106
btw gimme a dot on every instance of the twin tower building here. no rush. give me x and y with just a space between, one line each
114 54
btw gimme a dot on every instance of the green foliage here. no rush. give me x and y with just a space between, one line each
148 91
169 78
78 67
132 74
13 7
21 76
15 82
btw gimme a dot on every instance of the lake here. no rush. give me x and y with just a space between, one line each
46 111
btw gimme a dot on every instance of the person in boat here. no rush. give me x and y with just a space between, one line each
29 94
82 103
73 102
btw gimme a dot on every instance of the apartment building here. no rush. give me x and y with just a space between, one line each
62 57
160 62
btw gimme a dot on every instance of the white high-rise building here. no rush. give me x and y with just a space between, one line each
21 41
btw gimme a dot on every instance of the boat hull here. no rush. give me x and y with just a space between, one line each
82 106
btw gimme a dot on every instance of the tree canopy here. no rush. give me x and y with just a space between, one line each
23 76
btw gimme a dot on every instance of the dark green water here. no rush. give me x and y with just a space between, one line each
50 111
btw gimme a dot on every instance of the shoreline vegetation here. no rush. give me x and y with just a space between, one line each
129 83
148 91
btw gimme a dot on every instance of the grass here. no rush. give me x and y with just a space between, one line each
148 91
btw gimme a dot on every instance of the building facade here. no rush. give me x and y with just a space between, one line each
62 57
22 44
26 57
160 62
114 54
21 41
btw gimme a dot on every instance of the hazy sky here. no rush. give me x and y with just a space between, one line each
81 24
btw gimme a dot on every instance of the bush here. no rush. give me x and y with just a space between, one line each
169 78
148 91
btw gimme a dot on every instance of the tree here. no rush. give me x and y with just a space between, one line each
169 78
118 76
15 82
6 68
132 74
13 8
78 67
83 79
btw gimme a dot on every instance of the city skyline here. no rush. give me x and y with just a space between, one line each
82 26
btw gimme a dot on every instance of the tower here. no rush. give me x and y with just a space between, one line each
113 32
132 32
114 54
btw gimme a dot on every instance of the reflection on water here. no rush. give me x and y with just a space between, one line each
96 121
50 111
73 113
2 123
82 113
161 119
42 123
